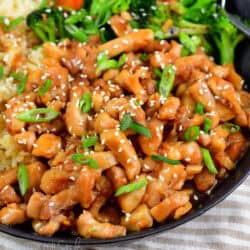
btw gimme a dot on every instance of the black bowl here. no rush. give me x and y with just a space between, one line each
219 193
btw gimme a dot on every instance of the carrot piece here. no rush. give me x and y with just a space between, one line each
74 4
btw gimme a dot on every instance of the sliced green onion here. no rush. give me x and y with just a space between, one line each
83 159
14 23
192 133
86 103
23 179
165 159
144 57
157 72
1 72
22 79
103 63
90 141
76 17
190 43
199 109
166 83
125 122
45 87
38 115
231 127
77 33
208 161
207 125
140 129
131 187
3 19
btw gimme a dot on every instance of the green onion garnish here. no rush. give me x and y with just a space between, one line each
22 79
199 109
23 179
208 161
157 73
207 125
144 57
131 187
231 127
166 83
85 103
165 159
103 63
45 87
90 141
140 129
1 72
38 115
77 33
83 159
192 133
125 122
14 23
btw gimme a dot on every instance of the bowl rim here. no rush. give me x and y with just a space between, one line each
79 241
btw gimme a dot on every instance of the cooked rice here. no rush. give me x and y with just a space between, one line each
19 42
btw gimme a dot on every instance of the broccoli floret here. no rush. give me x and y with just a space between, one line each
48 24
226 37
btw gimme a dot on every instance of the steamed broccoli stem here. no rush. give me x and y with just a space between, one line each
226 46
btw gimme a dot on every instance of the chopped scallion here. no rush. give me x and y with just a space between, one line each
45 87
125 122
207 125
1 72
89 141
23 179
22 79
166 83
38 115
83 159
86 103
77 33
231 127
13 23
131 187
208 161
165 159
192 133
199 109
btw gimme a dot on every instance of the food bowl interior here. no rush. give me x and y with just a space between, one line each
205 202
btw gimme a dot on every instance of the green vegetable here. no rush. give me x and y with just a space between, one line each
13 23
144 57
165 159
48 24
199 109
43 4
190 43
23 179
85 103
142 10
140 129
134 24
103 63
207 125
77 33
22 79
127 122
102 10
231 127
208 161
83 159
167 81
132 187
89 141
1 72
38 115
226 36
192 133
45 87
